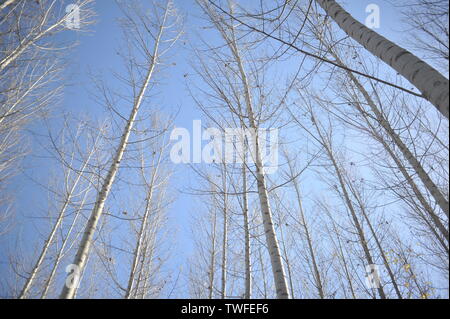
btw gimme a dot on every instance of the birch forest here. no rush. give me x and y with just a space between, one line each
224 149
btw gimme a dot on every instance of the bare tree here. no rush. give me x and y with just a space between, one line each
148 28
228 33
428 24
31 60
155 180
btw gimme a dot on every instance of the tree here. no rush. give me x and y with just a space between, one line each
432 84
31 61
227 32
164 20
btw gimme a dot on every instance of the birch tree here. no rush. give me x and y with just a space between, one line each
155 179
379 112
72 184
324 138
158 28
428 23
31 60
228 33
432 84
306 228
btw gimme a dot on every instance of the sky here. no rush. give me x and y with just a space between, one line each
96 52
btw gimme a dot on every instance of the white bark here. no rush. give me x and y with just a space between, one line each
65 242
346 197
362 207
247 251
433 85
144 225
6 3
86 242
59 219
309 240
212 265
223 290
40 31
440 199
271 238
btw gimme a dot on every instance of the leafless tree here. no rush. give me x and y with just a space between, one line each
159 30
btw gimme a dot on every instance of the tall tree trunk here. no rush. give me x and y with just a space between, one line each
409 179
412 160
377 241
348 202
247 251
271 238
144 225
223 290
86 241
433 85
51 236
288 263
312 254
344 261
61 252
212 257
263 272
304 224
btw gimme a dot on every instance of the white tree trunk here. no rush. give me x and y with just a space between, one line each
138 247
433 85
86 242
6 3
312 254
65 242
223 290
412 160
40 33
247 260
51 236
348 202
377 242
212 265
228 34
271 238
409 179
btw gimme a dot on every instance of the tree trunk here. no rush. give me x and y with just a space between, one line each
377 241
271 238
433 85
86 242
415 164
312 254
223 290
348 202
212 258
138 247
52 234
248 267
426 206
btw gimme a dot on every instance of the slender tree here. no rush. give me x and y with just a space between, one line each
152 60
432 84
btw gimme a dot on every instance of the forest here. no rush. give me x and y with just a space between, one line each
224 149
